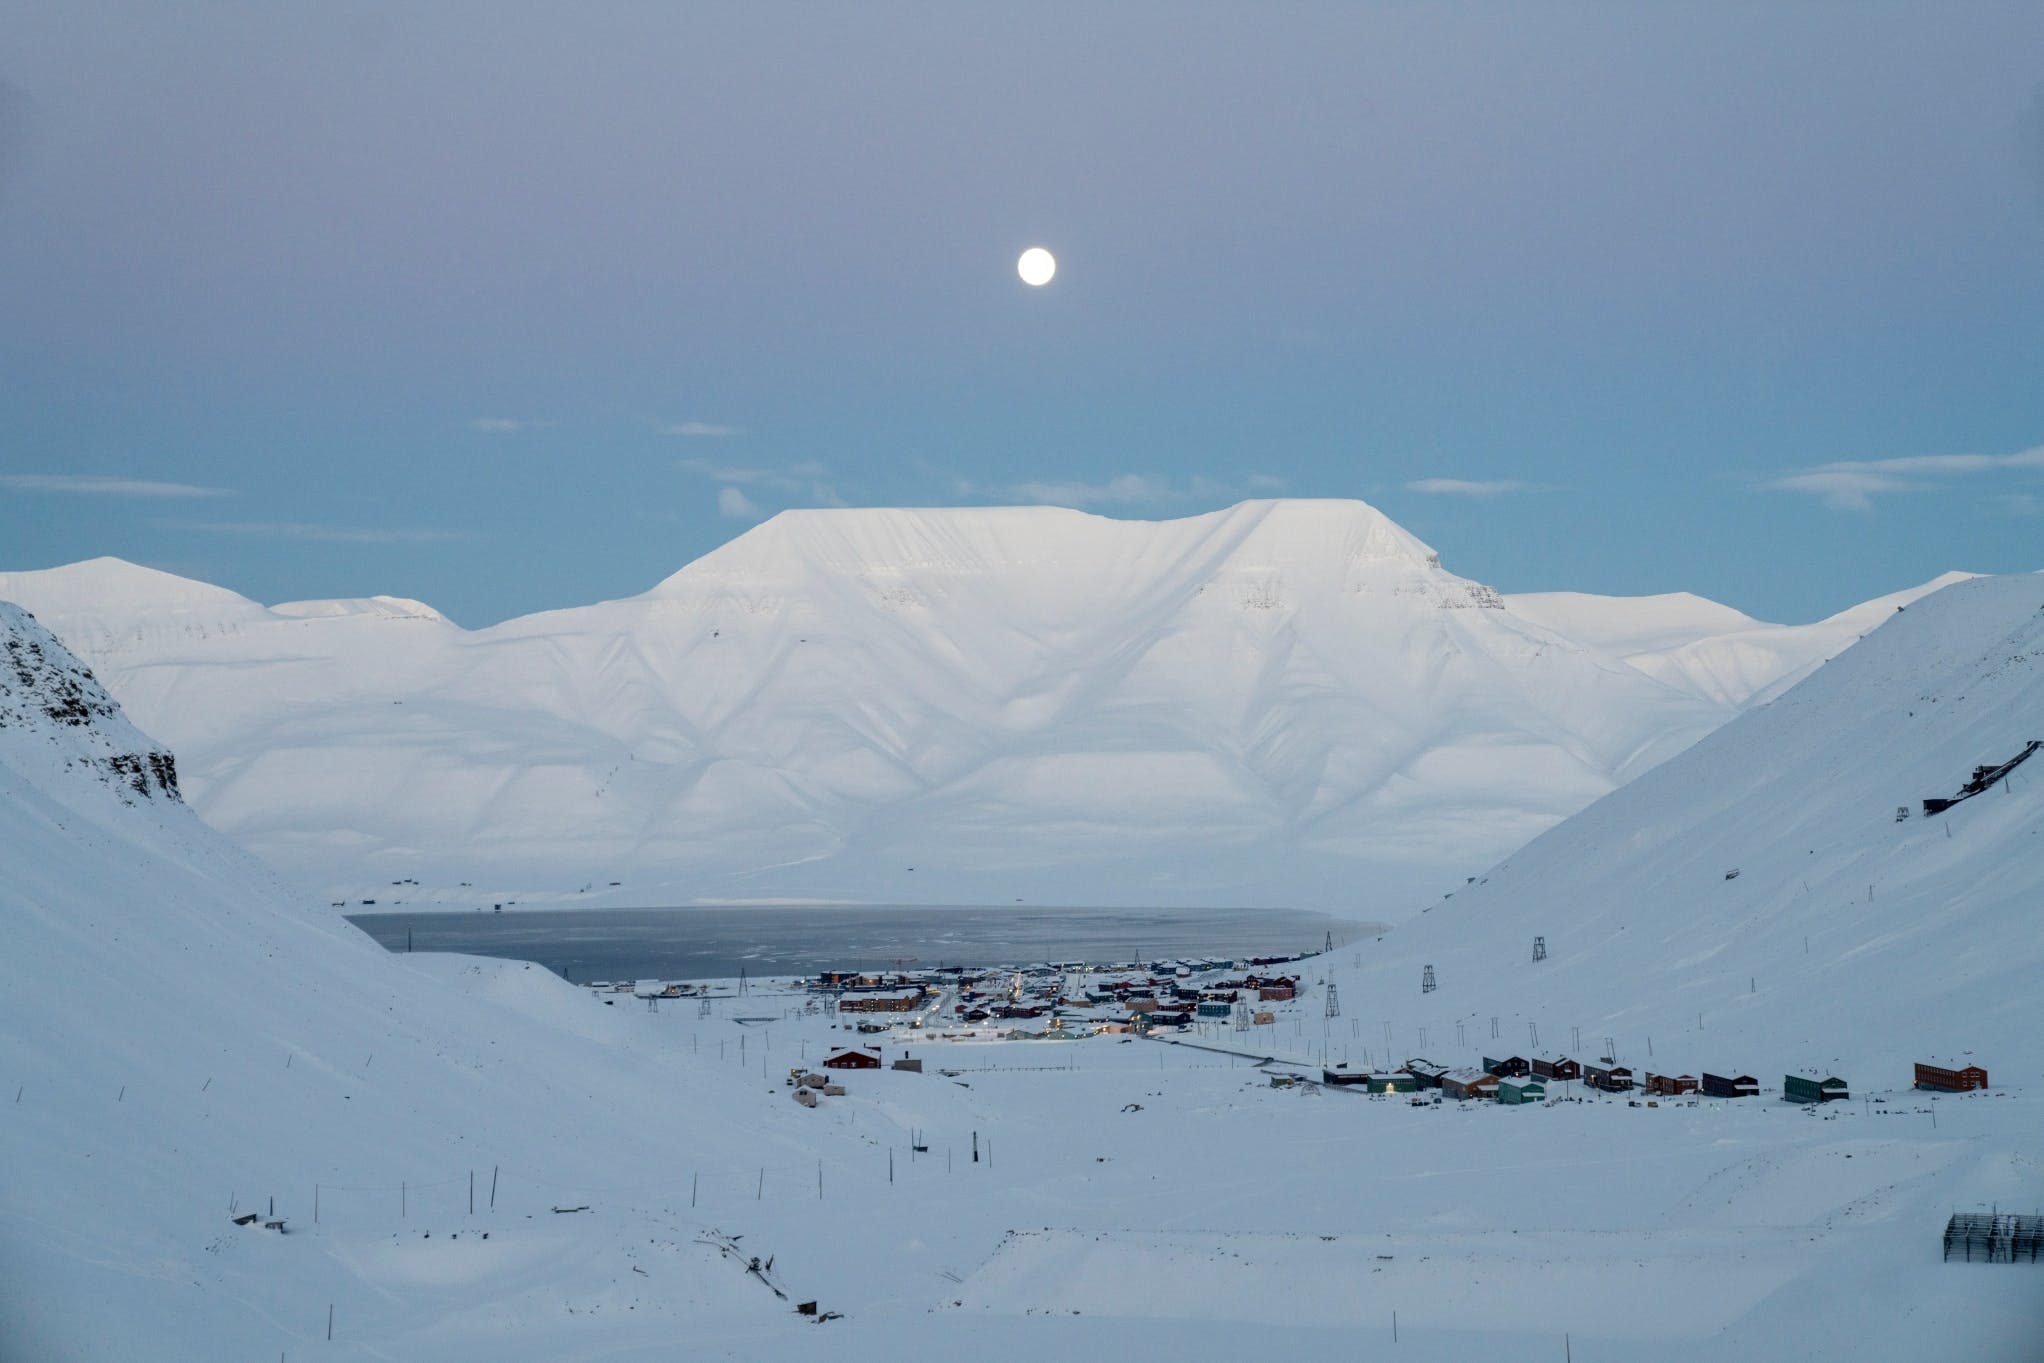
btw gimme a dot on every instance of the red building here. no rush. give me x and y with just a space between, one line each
853 1060
1951 1081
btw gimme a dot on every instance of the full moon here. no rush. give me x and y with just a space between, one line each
1036 266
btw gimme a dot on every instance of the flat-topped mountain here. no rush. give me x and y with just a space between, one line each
1282 702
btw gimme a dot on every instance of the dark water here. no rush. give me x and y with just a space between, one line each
698 944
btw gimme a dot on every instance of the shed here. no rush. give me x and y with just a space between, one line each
1960 1080
853 1060
1797 1088
1670 1083
806 1097
912 1066
1730 1086
1558 1067
1521 1089
1263 1019
1398 1081
1511 1067
1344 1078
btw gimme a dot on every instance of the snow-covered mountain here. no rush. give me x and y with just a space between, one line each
1283 702
1774 897
181 1040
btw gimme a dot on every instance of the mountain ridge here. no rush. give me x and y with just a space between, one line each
1286 701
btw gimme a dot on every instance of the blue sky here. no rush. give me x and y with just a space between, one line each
510 307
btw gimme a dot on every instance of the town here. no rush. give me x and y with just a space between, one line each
1225 1006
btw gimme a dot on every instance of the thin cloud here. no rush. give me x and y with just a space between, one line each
505 425
308 532
1467 487
785 480
806 482
1125 489
1852 484
89 486
1842 489
1129 489
701 430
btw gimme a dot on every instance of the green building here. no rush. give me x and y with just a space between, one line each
1515 1091
1798 1089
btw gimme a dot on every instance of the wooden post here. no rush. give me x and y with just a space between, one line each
471 1192
329 1321
493 1187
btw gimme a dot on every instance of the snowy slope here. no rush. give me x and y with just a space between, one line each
1711 651
1847 940
179 1037
172 1034
1284 702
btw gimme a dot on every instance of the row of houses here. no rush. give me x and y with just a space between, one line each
1516 1079
882 1000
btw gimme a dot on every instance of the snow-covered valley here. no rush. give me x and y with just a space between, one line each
1283 703
184 1036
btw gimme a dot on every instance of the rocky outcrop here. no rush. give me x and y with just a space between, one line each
47 694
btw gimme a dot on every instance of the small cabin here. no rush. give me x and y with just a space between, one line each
1608 1077
1961 1080
1511 1067
1558 1067
1730 1086
1521 1089
1262 1019
912 1066
1672 1084
1798 1088
853 1060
